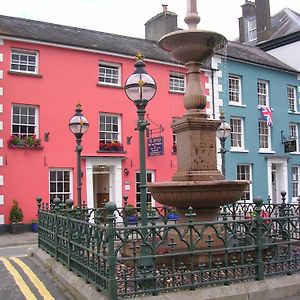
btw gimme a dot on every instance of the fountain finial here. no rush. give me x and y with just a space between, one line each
192 18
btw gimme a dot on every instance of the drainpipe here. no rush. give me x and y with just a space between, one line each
213 92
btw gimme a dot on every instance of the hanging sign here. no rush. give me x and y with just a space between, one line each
290 146
156 146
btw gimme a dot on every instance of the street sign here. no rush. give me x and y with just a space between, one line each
290 146
156 146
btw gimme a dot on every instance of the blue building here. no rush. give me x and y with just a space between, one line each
260 150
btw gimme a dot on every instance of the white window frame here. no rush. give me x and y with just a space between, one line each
294 134
237 134
177 82
21 61
252 32
246 175
137 192
68 195
263 93
235 91
264 136
108 128
292 100
21 116
107 72
295 174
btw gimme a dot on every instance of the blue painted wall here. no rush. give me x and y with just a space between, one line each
278 82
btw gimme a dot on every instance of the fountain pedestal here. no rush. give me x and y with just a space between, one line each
196 148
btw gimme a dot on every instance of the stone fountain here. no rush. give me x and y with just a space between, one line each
197 181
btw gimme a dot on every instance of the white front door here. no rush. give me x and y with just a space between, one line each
108 170
277 178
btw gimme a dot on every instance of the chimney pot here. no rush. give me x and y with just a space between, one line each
165 7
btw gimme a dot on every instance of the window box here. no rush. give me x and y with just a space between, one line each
113 146
26 142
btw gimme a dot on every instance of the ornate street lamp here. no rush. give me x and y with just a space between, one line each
78 125
140 88
223 132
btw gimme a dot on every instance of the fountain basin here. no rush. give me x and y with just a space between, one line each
197 194
192 45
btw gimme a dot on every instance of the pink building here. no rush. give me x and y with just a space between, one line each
46 69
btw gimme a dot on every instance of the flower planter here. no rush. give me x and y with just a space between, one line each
16 228
35 227
132 220
173 217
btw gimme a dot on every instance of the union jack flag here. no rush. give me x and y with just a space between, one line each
267 114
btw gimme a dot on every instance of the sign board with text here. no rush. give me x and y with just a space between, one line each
156 146
290 146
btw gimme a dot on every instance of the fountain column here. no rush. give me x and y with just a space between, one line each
197 181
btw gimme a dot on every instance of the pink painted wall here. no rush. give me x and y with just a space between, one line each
69 76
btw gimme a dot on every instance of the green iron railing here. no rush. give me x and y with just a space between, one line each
183 255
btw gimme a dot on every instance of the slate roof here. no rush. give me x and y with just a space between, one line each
253 54
285 22
78 37
95 40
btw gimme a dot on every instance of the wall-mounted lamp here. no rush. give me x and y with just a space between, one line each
126 172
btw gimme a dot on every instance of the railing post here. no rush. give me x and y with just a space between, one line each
39 203
56 203
111 257
259 270
69 204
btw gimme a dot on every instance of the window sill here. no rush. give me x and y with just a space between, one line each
25 74
177 92
25 147
239 150
236 104
266 151
295 153
112 151
115 86
294 112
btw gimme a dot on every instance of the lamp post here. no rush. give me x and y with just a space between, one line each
140 88
223 133
78 125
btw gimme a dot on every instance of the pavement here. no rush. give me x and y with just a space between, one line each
20 239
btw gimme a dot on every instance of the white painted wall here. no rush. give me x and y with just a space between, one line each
289 54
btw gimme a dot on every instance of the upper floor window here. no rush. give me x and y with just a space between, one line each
243 172
24 61
110 128
252 33
295 181
291 92
24 120
237 133
177 82
264 134
60 184
235 89
109 74
263 93
294 134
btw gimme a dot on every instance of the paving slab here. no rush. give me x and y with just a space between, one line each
25 238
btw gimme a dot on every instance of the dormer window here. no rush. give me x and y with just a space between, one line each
252 33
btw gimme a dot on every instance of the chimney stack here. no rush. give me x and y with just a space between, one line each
248 11
263 20
163 23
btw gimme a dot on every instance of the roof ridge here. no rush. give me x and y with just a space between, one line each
292 15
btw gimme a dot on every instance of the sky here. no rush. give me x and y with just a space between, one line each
127 17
